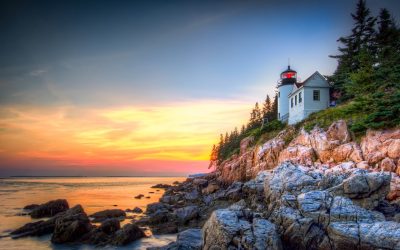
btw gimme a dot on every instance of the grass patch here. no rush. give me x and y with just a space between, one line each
325 118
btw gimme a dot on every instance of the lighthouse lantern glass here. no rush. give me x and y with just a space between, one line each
289 75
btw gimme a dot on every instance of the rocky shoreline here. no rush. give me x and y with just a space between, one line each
318 190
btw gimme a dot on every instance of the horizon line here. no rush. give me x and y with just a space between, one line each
83 176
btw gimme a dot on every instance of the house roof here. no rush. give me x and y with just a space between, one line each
299 84
303 84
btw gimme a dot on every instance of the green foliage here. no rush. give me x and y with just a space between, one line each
326 117
353 50
376 111
368 73
230 143
275 125
366 83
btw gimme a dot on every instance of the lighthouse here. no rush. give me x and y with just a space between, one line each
285 87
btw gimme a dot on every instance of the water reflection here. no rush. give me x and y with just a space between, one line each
93 193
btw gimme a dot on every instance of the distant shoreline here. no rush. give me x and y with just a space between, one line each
81 176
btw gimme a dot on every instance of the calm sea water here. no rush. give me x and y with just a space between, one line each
93 193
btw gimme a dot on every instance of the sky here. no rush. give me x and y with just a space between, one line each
145 88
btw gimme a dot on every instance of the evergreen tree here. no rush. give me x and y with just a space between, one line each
354 49
242 130
375 83
231 137
213 156
255 116
388 46
235 132
258 114
266 107
274 110
221 141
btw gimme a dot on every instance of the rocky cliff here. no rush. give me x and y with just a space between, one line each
377 151
306 190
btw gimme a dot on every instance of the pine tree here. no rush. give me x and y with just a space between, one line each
388 46
354 49
243 129
266 107
375 82
231 137
221 141
274 109
257 114
235 132
213 156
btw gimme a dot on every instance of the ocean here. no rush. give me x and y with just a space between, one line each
93 193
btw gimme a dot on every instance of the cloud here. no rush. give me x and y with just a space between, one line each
38 72
118 136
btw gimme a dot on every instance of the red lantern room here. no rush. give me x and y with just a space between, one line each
288 76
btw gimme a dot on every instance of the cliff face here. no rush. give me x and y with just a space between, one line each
298 207
299 190
377 151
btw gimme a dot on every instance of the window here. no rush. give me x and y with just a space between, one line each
295 100
300 99
291 102
279 115
279 94
316 95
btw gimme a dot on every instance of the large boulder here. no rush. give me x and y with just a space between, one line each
366 189
127 234
325 208
338 131
265 235
377 145
107 214
378 235
256 185
234 191
332 145
343 209
110 226
36 228
230 229
269 152
347 152
49 209
71 226
43 227
220 229
154 207
189 239
160 216
290 179
187 213
298 154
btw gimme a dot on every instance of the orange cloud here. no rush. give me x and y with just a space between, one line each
123 136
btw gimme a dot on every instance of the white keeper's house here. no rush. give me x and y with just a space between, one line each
297 100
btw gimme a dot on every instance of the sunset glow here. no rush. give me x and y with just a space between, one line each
145 88
125 138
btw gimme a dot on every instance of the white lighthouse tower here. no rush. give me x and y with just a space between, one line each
285 87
